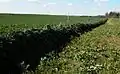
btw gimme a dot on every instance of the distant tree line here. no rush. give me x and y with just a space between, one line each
113 14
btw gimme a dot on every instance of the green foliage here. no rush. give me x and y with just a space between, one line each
95 52
8 28
19 43
113 14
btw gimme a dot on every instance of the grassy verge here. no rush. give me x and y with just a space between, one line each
96 52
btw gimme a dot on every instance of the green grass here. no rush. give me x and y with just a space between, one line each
95 52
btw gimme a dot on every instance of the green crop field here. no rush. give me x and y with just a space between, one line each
20 22
95 52
41 19
53 45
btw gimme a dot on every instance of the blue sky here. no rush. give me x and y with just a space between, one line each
59 7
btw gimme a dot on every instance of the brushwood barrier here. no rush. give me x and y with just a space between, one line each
30 45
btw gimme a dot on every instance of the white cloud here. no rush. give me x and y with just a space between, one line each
19 0
45 5
100 0
51 3
104 0
34 0
117 8
69 4
86 1
5 0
